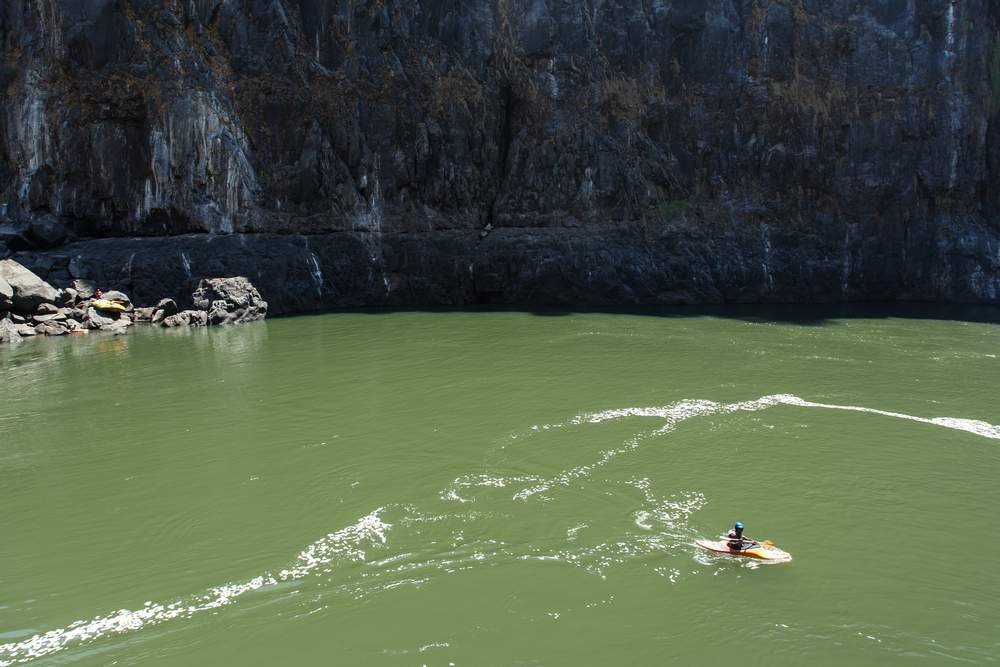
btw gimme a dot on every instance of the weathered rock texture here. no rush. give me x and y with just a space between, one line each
27 291
347 152
229 301
28 306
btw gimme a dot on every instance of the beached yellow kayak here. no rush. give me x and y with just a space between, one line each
104 304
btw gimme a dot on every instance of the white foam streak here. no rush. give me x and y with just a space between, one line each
344 544
682 410
664 519
974 426
675 413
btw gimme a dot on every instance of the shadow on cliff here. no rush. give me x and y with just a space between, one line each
806 315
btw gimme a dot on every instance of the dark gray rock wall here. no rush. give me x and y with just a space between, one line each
361 152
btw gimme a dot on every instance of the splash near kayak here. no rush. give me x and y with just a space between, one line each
761 550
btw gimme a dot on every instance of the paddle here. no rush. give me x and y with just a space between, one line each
767 544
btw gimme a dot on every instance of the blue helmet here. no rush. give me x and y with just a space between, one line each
738 525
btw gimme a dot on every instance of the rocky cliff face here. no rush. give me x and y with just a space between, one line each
347 152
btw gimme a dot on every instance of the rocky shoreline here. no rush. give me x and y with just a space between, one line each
689 261
30 306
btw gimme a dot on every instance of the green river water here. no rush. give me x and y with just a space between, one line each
503 488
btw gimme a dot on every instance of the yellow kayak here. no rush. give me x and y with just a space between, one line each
104 304
765 551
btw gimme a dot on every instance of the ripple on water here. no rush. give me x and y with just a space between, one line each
663 524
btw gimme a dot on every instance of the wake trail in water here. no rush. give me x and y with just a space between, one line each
974 426
348 544
686 409
345 544
678 412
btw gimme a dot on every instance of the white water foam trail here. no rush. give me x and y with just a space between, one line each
345 544
675 413
684 409
665 523
974 426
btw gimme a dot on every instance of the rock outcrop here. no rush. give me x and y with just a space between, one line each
216 301
382 152
9 332
28 290
30 306
229 300
6 295
186 318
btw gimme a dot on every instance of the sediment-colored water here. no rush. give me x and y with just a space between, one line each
503 488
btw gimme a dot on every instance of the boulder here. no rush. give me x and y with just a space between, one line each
46 309
17 318
46 233
50 317
84 288
41 264
52 329
186 318
144 314
163 309
26 330
118 327
8 333
29 290
97 321
168 306
69 297
6 295
117 297
14 236
229 300
72 324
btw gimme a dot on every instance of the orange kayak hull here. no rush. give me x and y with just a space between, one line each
760 551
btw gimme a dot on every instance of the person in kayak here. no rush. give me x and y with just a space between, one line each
735 537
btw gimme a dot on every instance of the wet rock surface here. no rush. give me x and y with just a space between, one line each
505 151
9 334
96 320
186 318
52 329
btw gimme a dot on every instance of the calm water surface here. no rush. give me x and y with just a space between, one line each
502 489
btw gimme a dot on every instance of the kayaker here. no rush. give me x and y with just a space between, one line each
736 537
